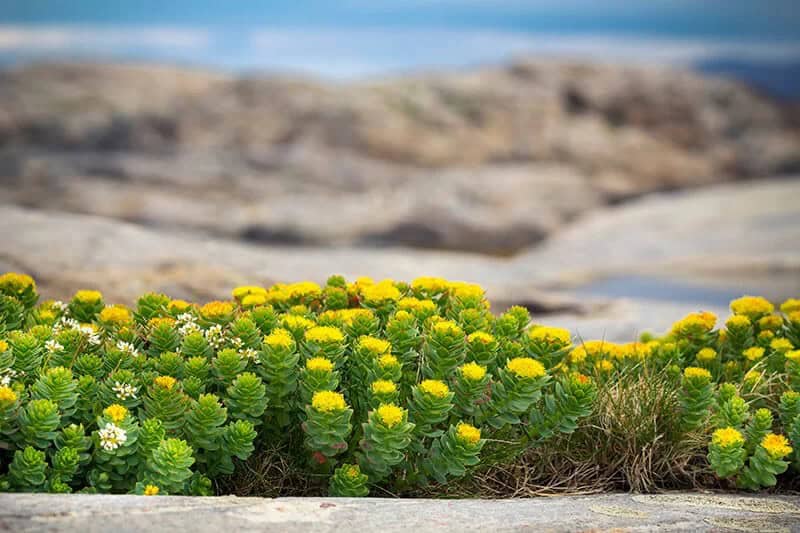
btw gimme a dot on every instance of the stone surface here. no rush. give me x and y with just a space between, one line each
618 512
489 160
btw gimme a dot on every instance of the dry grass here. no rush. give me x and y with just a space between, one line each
631 442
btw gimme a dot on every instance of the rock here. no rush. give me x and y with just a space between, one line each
491 160
607 512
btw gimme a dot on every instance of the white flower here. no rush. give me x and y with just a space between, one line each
215 336
124 390
187 324
66 323
128 348
53 346
250 354
61 306
237 342
112 437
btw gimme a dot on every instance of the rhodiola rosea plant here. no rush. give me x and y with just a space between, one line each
375 385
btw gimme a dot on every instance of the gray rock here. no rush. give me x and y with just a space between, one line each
664 512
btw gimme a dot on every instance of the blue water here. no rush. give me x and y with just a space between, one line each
347 38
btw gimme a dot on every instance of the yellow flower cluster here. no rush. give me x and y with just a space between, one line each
381 292
383 386
781 345
7 395
727 437
430 285
793 356
595 349
328 402
473 371
604 365
151 490
415 304
695 323
467 433
352 472
737 322
374 345
693 372
792 305
116 412
550 335
279 338
216 309
448 327
3 346
525 367
88 297
319 364
389 414
777 446
752 307
435 388
388 361
480 337
247 290
707 355
179 306
118 315
297 322
753 354
165 382
324 335
14 282
770 322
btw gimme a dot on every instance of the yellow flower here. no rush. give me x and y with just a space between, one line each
777 446
151 490
381 292
727 437
389 414
737 322
604 365
305 290
7 395
383 386
525 367
465 291
403 315
324 335
246 290
693 372
294 322
116 314
116 412
694 323
791 305
794 317
279 338
165 382
752 307
319 364
771 322
179 306
415 304
550 335
88 297
216 309
637 350
429 285
328 402
793 355
753 354
467 433
781 345
752 376
16 282
388 361
352 472
252 300
447 327
374 345
3 346
160 321
480 337
706 355
766 335
473 371
434 387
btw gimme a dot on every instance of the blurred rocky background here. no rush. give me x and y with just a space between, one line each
609 197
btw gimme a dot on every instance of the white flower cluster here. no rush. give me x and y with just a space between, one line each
92 336
128 348
187 324
53 346
112 437
215 336
70 323
124 390
58 304
250 354
6 375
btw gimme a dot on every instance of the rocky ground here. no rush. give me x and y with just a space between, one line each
612 512
486 160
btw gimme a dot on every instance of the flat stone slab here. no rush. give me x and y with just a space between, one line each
662 512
